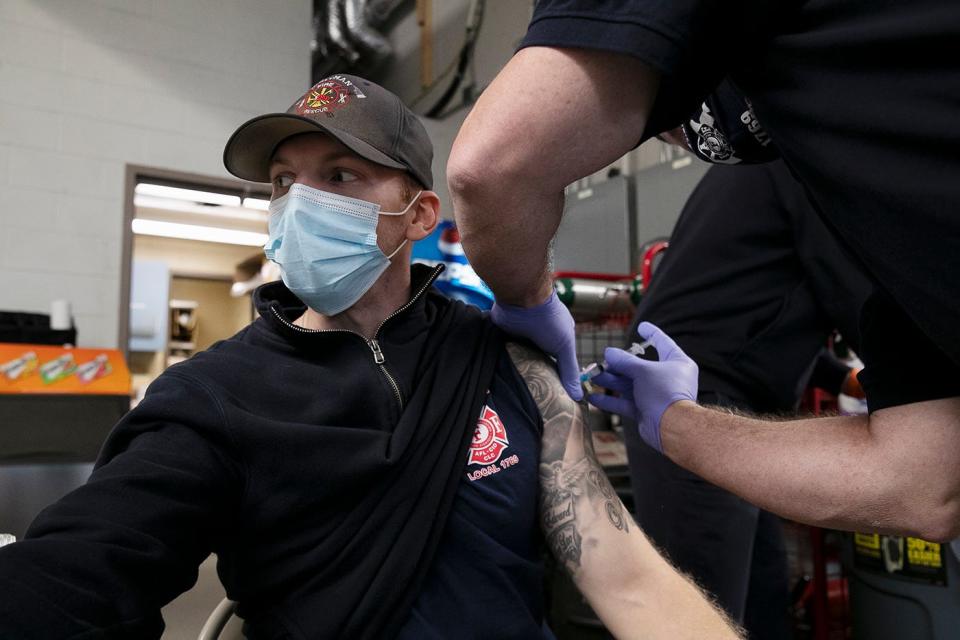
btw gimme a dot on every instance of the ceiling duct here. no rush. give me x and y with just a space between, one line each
346 35
357 17
337 32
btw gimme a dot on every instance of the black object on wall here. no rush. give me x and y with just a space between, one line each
33 328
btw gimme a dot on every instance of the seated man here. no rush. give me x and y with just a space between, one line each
364 457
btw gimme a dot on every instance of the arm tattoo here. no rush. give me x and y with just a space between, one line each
575 494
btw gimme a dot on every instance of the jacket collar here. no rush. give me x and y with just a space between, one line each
279 307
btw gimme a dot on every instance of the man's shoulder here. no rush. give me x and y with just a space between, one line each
452 315
224 361
531 361
440 300
532 375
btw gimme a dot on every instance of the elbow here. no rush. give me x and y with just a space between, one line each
465 181
927 507
481 170
486 187
476 173
940 523
476 181
918 488
471 193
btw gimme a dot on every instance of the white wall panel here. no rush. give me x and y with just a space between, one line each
29 128
90 86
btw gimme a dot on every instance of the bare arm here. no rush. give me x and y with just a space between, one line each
550 117
897 471
632 588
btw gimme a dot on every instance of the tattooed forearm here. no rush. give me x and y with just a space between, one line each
633 590
575 495
615 508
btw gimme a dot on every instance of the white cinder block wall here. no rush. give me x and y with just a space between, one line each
88 86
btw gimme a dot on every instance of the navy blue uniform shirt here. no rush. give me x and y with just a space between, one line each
487 578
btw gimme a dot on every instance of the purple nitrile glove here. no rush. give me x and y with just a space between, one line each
550 327
647 387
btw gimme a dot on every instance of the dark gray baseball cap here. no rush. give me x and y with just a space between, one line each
362 115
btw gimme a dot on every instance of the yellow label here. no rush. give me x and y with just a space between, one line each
924 554
867 540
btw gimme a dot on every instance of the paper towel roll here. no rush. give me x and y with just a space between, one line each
60 315
143 324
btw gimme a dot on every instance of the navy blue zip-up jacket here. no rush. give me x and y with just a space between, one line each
319 466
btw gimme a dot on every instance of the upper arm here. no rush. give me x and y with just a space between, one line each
633 590
554 116
913 391
110 554
580 512
917 470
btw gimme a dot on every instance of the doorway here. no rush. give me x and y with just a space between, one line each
189 243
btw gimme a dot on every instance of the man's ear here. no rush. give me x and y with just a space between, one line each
426 215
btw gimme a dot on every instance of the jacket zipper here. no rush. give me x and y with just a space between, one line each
378 357
410 302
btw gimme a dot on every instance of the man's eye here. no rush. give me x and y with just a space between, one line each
283 181
343 176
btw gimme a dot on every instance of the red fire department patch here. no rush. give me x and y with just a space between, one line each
327 95
489 439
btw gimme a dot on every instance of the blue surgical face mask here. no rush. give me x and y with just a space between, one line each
326 246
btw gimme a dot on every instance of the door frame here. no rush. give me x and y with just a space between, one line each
136 173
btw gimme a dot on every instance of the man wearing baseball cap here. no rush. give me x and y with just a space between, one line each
365 458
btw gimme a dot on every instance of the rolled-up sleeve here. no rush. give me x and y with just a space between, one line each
693 44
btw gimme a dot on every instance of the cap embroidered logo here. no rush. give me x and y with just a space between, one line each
328 94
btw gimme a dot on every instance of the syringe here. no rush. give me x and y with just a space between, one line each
594 369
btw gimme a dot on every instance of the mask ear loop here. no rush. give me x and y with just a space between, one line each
400 213
397 250
405 209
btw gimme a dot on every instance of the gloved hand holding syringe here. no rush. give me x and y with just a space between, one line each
644 350
646 383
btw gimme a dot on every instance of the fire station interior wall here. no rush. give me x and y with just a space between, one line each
595 231
600 220
89 86
660 193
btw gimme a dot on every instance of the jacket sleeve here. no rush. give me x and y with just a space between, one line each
102 561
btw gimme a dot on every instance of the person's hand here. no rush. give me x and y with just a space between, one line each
647 387
550 327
